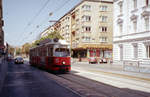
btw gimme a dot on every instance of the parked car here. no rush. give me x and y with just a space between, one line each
103 60
92 60
19 60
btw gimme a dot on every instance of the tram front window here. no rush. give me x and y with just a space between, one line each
61 52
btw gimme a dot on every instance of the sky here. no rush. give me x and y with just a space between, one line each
24 20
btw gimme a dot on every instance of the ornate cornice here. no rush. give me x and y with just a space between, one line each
134 44
131 34
133 17
120 45
146 43
145 14
120 2
119 21
132 40
115 0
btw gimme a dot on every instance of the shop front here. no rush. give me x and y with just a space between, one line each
95 50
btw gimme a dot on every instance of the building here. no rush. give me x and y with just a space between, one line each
46 32
1 28
88 27
131 31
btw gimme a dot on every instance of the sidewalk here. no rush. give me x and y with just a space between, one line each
117 70
3 71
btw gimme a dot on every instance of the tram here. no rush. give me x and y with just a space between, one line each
51 54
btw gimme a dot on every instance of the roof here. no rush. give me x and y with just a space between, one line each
108 1
63 42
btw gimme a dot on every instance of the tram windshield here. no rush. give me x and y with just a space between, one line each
62 52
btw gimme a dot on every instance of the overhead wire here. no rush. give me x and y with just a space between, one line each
33 19
57 9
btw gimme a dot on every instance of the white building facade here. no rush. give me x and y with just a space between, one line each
131 36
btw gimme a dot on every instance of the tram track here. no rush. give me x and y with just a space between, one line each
85 87
98 87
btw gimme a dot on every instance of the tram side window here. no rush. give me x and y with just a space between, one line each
50 51
35 52
44 51
40 51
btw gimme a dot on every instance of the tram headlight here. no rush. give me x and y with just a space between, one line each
63 62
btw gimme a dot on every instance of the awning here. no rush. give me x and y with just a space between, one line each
95 46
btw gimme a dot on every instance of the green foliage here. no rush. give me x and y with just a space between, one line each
52 35
18 51
26 48
11 50
35 43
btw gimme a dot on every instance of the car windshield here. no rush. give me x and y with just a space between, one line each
19 58
61 52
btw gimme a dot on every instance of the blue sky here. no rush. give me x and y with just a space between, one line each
21 18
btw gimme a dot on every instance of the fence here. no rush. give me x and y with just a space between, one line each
137 66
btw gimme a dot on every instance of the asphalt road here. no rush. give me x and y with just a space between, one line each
25 81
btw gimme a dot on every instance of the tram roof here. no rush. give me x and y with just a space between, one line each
52 42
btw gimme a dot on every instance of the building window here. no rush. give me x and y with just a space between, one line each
67 18
86 39
120 7
135 26
147 24
87 29
86 18
103 18
103 39
121 53
67 27
120 29
103 8
86 7
103 29
148 51
135 4
135 49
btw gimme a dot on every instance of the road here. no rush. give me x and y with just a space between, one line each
25 81
85 80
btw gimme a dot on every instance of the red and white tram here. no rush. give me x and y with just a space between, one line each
51 54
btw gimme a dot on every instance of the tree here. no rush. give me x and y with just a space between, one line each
52 35
11 50
18 51
25 48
